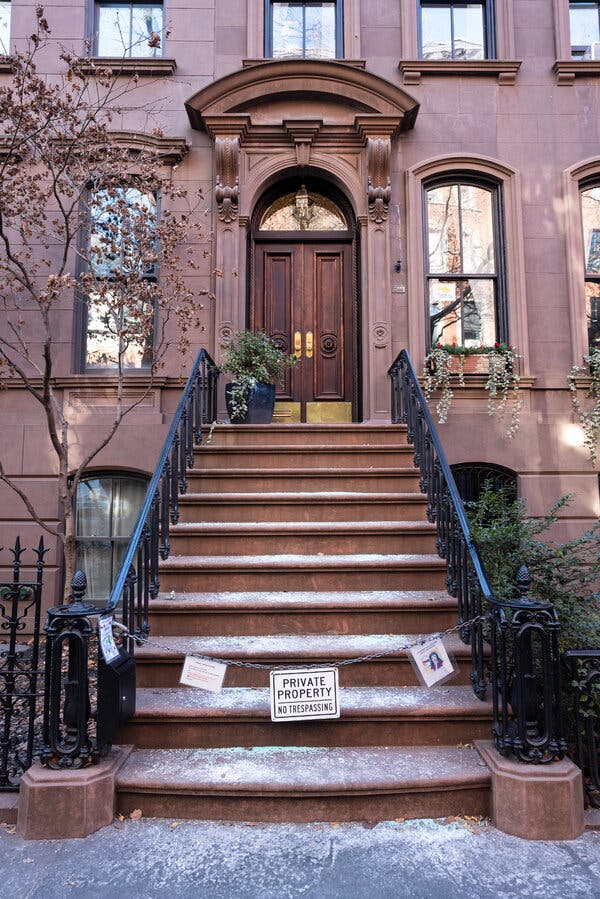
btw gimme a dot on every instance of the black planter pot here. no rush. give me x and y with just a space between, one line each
261 403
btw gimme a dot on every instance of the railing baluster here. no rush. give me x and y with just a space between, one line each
528 722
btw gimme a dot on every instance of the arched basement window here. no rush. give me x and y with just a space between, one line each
107 508
471 477
303 211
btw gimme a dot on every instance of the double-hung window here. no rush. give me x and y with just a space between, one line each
464 270
128 29
590 213
120 278
303 30
4 28
584 22
456 30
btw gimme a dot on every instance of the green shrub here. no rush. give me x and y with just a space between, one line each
565 574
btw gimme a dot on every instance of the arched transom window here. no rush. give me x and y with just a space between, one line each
303 211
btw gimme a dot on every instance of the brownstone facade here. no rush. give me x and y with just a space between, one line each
377 124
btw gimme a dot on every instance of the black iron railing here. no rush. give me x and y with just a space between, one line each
514 645
584 670
20 606
68 739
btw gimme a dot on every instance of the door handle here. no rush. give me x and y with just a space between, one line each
309 344
297 344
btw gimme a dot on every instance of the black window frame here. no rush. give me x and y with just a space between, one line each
589 184
157 53
339 27
489 28
499 277
81 319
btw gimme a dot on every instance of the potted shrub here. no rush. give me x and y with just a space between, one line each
257 364
498 363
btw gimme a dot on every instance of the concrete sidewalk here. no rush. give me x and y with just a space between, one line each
157 858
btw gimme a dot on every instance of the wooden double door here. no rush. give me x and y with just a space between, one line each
304 296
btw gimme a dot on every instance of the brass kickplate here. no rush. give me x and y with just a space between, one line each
329 412
286 413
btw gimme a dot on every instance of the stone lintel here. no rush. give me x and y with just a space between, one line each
69 803
535 802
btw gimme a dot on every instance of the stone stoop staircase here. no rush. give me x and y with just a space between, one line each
296 545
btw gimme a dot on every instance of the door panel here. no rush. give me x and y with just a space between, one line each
306 286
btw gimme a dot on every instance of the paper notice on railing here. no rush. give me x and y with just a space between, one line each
431 662
107 641
204 674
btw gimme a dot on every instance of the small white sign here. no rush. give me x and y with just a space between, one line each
432 662
304 694
205 674
107 641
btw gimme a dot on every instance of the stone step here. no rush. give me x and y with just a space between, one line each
294 480
275 538
369 716
302 434
306 456
159 662
313 506
367 612
370 571
304 783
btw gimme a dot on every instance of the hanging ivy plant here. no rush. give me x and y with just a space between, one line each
586 400
445 360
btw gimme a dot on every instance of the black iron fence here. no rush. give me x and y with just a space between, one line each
514 645
71 736
584 671
20 608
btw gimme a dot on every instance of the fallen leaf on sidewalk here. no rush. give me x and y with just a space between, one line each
174 825
136 814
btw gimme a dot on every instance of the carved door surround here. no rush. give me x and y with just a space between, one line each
330 119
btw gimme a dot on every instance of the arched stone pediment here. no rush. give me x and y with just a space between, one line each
335 93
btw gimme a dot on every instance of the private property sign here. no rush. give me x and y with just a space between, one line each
303 694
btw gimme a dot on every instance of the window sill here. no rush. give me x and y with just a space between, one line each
153 66
505 70
5 65
249 63
567 70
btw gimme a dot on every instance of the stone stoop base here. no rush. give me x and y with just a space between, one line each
69 803
9 804
535 802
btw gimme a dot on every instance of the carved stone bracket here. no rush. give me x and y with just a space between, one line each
379 191
227 187
303 134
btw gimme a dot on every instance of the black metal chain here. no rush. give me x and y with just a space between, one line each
422 641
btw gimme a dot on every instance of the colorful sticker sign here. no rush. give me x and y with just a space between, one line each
432 662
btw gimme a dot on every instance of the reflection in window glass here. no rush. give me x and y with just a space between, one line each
129 29
303 211
4 28
303 30
461 269
590 213
452 30
122 232
107 508
584 23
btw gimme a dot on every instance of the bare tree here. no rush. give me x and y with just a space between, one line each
80 223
